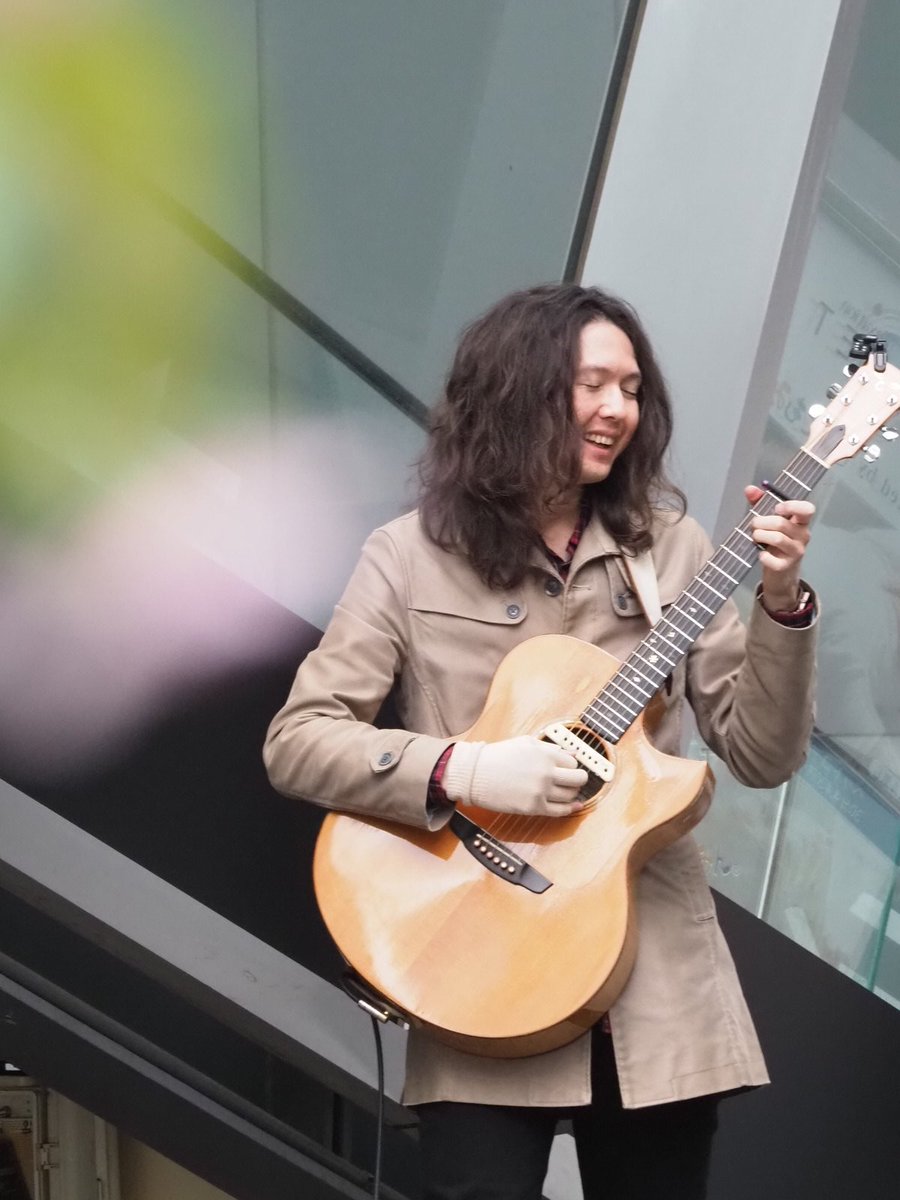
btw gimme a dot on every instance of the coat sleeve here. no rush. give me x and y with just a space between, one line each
753 690
322 745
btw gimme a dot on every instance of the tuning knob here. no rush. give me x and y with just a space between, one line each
872 453
833 390
816 410
890 434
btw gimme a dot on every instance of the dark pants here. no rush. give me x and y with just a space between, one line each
495 1152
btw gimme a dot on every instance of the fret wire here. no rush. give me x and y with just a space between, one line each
722 571
629 699
655 647
651 666
600 723
735 554
615 682
653 685
806 470
603 721
614 706
668 641
799 482
688 617
723 596
697 600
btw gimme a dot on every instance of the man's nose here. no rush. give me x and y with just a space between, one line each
612 400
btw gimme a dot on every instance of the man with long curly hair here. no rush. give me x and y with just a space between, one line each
542 481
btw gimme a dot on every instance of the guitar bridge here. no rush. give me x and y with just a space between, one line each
496 857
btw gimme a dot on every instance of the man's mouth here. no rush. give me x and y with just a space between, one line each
599 439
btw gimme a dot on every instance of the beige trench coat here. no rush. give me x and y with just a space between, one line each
417 614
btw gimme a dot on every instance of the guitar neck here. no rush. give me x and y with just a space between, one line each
640 677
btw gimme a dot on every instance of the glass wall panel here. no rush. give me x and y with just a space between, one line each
820 862
817 859
738 834
851 284
423 158
833 878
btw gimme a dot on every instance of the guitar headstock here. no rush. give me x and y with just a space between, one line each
858 410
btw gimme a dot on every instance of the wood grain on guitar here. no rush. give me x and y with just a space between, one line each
518 944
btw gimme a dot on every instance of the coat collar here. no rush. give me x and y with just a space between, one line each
595 542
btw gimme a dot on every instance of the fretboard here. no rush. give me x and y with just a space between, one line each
640 677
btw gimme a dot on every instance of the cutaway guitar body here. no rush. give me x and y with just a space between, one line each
486 964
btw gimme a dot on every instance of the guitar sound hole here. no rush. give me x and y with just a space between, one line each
591 788
591 742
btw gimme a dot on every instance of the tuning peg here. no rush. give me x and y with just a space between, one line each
890 434
872 453
863 345
833 390
816 410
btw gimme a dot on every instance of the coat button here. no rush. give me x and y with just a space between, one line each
623 598
553 587
386 759
512 611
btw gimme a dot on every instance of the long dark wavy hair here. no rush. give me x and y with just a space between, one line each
504 443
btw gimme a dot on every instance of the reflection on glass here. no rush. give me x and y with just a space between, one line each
834 873
737 834
817 859
830 880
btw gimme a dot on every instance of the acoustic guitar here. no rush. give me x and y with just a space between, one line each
509 935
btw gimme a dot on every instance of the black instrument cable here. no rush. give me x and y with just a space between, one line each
379 1135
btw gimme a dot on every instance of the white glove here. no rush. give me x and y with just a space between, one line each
518 775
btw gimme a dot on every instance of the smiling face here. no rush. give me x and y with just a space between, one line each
605 399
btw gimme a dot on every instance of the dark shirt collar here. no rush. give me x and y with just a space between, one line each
563 564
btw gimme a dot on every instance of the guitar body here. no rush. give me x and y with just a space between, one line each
483 964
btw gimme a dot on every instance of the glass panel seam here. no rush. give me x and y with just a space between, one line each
609 117
285 303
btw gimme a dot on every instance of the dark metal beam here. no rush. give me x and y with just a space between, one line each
142 1090
245 984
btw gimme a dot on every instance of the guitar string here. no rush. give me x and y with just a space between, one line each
636 687
609 716
637 680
